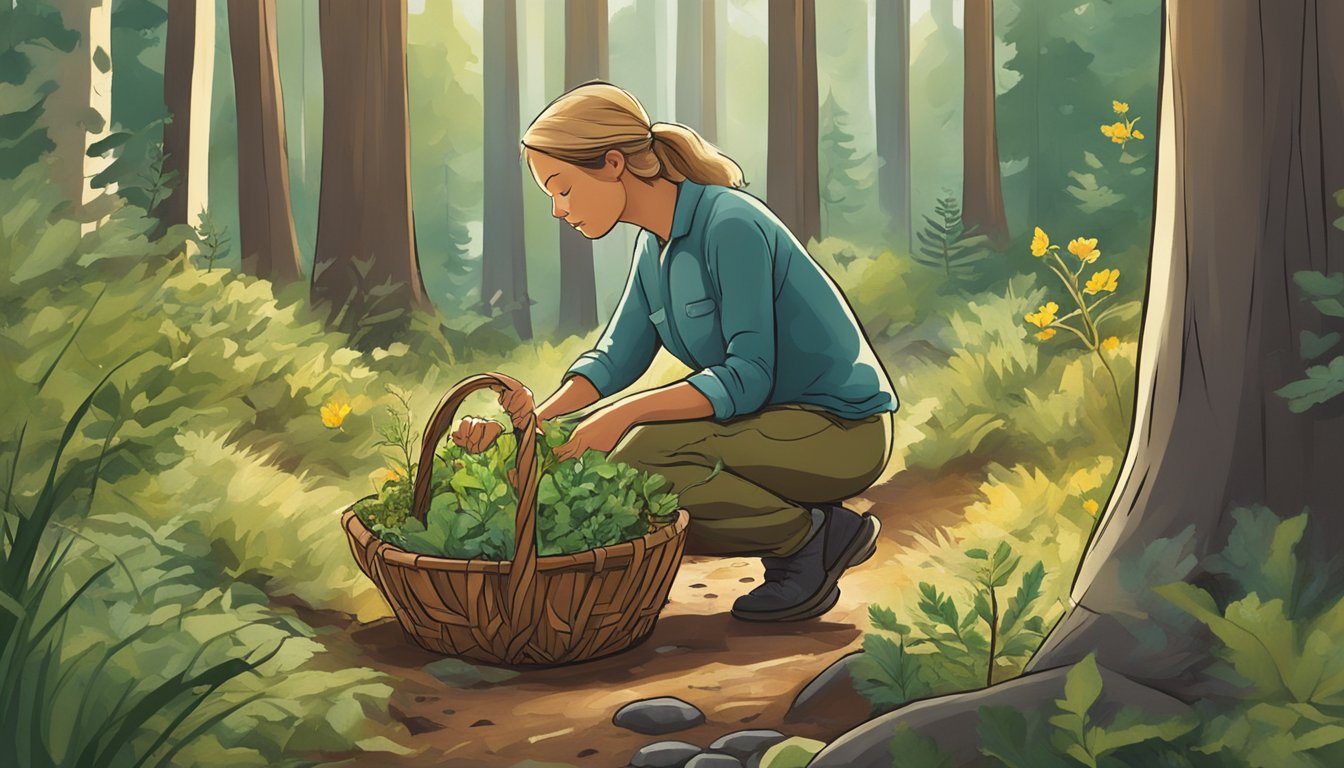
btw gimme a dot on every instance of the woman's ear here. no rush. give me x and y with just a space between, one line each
613 165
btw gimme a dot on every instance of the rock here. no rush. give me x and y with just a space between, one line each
794 752
664 714
743 744
664 754
830 698
707 760
460 674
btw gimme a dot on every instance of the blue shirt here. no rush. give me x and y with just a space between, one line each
737 299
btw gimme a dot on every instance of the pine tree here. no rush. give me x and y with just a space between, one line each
840 185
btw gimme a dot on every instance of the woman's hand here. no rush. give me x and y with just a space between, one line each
519 405
476 435
601 431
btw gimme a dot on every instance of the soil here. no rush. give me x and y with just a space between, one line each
741 675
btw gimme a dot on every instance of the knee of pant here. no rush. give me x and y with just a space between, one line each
644 445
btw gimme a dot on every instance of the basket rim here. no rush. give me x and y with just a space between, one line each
617 554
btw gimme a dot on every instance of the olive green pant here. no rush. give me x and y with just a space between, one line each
776 462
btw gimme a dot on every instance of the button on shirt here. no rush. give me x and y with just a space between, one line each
736 298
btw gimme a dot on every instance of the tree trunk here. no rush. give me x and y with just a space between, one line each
892 63
1245 177
504 257
792 184
80 109
365 265
982 191
266 237
187 74
585 59
695 66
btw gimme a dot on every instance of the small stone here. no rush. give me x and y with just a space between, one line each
587 753
747 579
710 595
664 754
830 699
706 760
793 752
743 744
657 716
697 586
481 722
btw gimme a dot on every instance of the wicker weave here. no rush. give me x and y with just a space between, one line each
531 610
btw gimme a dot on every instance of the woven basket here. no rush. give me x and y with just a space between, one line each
531 610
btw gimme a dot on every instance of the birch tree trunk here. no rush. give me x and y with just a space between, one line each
80 109
266 238
695 67
1250 103
792 183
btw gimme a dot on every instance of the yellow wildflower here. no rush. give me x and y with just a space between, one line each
1084 248
1045 316
1040 243
333 414
1105 280
1120 107
1091 506
1110 343
1136 135
384 476
1046 335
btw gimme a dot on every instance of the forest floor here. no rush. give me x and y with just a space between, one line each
741 675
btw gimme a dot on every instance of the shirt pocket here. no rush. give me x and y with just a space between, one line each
699 308
659 320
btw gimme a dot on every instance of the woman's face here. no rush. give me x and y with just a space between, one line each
590 199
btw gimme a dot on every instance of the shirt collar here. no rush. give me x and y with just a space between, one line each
688 196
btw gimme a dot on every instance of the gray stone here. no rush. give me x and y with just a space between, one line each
706 760
952 721
743 744
830 698
664 714
664 754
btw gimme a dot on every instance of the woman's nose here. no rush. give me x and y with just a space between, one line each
556 210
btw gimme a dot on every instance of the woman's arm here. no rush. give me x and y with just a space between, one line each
575 392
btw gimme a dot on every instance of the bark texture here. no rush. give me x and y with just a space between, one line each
178 66
585 59
892 63
504 259
365 264
982 188
266 237
1251 97
79 111
792 186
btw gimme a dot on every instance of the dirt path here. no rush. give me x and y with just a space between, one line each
740 674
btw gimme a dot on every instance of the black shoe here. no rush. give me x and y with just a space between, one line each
803 585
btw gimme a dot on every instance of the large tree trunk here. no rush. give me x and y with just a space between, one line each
365 263
585 59
695 66
892 63
266 238
1245 176
792 184
982 190
80 110
187 74
504 258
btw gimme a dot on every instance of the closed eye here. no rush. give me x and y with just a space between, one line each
565 193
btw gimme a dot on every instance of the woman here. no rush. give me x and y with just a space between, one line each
787 392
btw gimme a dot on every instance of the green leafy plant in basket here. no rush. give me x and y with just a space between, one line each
582 504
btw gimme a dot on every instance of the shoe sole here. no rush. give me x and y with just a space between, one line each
860 548
825 605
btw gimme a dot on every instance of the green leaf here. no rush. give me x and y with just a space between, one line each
1082 686
885 619
1319 285
1314 346
910 749
1322 383
977 554
110 142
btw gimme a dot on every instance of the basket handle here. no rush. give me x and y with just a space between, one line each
523 570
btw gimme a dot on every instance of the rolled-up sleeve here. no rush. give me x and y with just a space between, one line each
627 345
741 262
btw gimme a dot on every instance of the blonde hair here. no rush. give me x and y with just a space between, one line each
589 120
